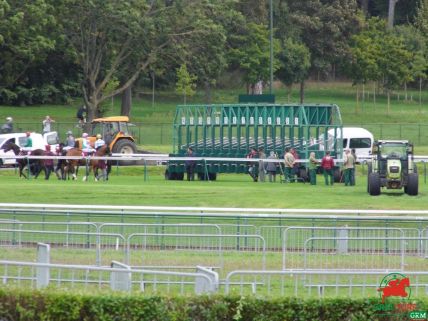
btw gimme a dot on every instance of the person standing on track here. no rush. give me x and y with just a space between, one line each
327 164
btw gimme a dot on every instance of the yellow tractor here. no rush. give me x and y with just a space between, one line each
115 133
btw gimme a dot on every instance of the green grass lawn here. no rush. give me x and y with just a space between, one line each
127 187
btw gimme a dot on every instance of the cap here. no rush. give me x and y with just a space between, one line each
84 135
69 132
99 136
9 118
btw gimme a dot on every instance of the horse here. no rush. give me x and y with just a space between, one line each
36 165
71 166
96 164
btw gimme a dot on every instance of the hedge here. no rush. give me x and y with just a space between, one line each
16 305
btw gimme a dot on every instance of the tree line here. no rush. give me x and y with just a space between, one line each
54 50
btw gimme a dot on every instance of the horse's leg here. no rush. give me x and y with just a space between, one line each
88 172
21 170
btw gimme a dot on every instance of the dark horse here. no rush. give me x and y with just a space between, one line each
36 165
72 165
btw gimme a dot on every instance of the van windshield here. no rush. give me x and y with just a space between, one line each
2 141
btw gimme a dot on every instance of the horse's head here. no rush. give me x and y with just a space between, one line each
11 146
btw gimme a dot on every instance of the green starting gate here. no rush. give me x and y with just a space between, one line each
230 131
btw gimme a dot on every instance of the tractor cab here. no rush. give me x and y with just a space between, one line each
115 132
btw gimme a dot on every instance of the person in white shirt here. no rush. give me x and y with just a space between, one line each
99 142
47 124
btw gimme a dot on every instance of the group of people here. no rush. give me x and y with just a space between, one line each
258 170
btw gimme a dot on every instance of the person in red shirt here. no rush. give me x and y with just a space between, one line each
327 164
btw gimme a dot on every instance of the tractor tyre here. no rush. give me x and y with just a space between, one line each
412 184
337 175
212 176
170 176
369 171
303 174
125 146
179 176
374 184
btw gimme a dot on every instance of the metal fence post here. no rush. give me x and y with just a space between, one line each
43 273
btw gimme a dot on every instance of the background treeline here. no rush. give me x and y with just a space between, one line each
53 50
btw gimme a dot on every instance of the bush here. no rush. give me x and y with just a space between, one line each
32 306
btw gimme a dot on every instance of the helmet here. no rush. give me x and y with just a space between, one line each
28 134
69 132
99 136
84 135
9 118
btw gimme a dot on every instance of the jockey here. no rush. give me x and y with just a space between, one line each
99 142
28 144
86 147
70 142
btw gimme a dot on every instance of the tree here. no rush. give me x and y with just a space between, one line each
185 83
394 63
325 28
295 62
27 35
251 54
391 11
120 39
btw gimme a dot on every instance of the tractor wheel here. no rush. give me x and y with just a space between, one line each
412 184
125 146
303 174
170 176
212 176
179 176
337 175
374 184
369 171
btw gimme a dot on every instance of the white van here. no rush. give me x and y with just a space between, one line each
353 137
39 142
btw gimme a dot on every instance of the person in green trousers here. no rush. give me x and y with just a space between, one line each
348 163
313 163
327 164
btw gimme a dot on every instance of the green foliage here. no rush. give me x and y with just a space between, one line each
250 53
325 28
185 83
16 305
295 62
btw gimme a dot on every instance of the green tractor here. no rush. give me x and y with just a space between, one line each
392 167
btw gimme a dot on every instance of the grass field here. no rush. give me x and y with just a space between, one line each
127 187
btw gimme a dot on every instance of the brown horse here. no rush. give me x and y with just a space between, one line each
35 165
72 165
96 164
